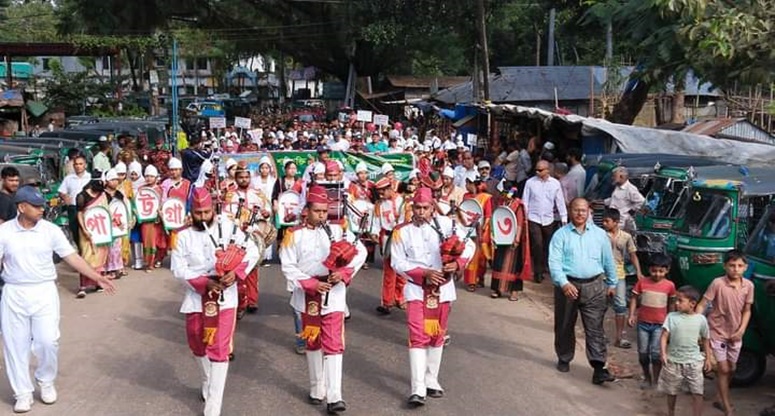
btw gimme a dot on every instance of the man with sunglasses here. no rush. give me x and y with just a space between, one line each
543 197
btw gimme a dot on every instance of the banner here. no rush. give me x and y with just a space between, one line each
217 123
364 115
403 163
97 222
381 120
242 123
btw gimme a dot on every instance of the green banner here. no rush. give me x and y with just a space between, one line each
403 163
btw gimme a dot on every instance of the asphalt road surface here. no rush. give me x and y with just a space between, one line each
127 355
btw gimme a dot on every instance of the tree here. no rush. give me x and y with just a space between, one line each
72 90
26 21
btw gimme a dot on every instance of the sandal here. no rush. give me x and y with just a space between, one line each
513 297
471 288
495 295
623 344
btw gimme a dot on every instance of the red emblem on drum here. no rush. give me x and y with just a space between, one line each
505 226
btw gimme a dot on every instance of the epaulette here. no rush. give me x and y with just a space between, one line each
295 228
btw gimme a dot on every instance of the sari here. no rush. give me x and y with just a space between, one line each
511 264
152 235
95 256
476 268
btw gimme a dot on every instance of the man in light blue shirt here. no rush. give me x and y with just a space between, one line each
582 267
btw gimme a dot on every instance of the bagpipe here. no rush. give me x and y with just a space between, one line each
340 254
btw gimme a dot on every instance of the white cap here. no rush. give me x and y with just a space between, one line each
150 170
305 134
319 168
175 163
472 176
103 138
483 164
549 146
111 174
231 162
386 167
361 167
427 148
460 144
120 167
136 167
265 159
415 173
448 172
229 143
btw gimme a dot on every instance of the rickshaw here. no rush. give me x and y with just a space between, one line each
759 340
642 168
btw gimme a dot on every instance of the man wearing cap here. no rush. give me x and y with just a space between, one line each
250 198
319 294
362 189
29 309
388 213
93 195
451 194
210 324
416 256
473 275
71 186
101 161
389 172
175 186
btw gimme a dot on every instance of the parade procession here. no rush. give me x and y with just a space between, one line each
392 207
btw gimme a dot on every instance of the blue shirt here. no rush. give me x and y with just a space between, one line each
379 147
581 255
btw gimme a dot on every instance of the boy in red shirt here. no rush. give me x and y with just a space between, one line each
655 293
732 297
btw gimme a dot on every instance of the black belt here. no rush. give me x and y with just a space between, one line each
583 280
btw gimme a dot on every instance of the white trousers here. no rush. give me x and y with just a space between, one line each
29 315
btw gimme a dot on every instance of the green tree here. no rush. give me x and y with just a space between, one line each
27 21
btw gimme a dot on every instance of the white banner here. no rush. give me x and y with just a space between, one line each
97 221
364 115
242 122
217 123
381 120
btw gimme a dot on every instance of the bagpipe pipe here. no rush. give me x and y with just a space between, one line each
452 246
340 254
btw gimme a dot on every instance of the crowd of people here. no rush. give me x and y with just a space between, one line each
432 230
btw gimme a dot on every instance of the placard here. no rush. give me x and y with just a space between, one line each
119 215
147 204
504 226
381 120
242 122
96 220
364 115
289 209
472 212
173 214
217 123
471 139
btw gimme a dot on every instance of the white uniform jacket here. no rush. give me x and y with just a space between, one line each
302 254
194 257
416 247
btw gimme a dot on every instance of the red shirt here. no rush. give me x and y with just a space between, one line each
654 299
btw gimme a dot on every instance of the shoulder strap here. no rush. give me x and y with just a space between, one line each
327 228
437 227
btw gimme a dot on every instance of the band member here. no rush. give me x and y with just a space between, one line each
388 213
434 182
264 182
473 275
229 183
427 251
511 264
362 189
176 186
450 194
250 198
210 326
319 294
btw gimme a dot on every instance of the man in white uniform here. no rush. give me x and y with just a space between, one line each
319 294
210 328
416 256
29 309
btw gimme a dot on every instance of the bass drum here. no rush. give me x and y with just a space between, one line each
264 236
360 216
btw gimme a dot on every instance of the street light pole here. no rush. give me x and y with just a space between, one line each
174 79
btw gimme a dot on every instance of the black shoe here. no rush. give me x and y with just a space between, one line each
447 340
563 367
312 400
433 393
601 376
240 314
538 279
231 357
251 309
347 318
383 310
336 408
416 401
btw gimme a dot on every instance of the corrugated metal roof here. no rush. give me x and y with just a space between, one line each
731 128
408 81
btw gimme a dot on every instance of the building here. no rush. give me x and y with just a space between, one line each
731 128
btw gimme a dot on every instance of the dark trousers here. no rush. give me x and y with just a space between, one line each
72 219
540 236
592 303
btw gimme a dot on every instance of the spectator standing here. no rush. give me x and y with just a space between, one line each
11 180
71 186
101 161
732 297
577 175
625 198
584 275
542 198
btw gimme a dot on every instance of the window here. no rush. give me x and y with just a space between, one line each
706 214
762 243
106 63
201 64
46 64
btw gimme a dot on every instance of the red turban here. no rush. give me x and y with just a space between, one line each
332 166
317 195
383 183
201 199
423 196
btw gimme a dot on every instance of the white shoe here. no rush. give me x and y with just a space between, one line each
48 394
23 404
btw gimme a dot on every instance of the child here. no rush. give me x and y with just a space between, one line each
681 357
152 232
655 294
622 245
732 297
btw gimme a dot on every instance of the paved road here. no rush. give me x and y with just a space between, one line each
126 355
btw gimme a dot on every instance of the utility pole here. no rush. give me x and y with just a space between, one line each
174 79
550 42
485 50
609 42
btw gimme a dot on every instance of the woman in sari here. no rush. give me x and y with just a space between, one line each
93 195
474 272
289 182
511 264
152 232
134 181
115 263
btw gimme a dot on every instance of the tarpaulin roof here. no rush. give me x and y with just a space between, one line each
632 139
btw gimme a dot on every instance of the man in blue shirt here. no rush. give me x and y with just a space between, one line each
582 266
376 145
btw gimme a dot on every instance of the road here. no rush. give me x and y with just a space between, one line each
127 355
